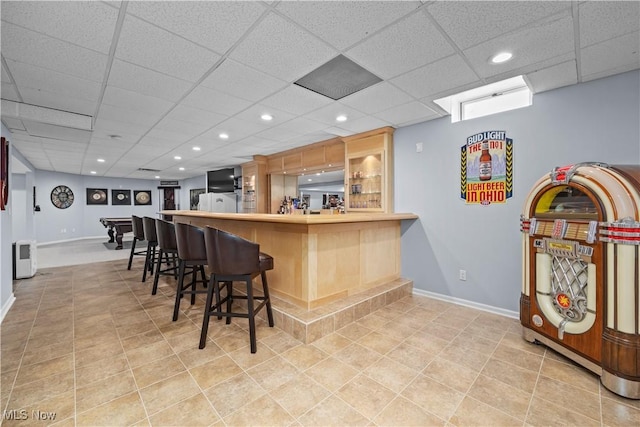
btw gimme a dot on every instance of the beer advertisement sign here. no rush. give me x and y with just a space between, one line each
486 168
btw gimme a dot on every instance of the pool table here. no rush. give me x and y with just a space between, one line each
120 225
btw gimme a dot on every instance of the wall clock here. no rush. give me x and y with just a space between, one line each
62 197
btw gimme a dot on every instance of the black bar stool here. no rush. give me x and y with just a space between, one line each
230 258
192 255
138 235
167 245
149 226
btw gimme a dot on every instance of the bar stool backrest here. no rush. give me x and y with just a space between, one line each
228 254
190 241
138 228
166 233
149 225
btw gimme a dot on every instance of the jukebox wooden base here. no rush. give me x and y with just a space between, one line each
581 270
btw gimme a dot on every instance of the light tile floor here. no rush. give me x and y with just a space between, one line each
89 344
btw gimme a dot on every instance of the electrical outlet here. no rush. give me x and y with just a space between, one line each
463 275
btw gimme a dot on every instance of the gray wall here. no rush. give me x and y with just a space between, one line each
594 121
82 220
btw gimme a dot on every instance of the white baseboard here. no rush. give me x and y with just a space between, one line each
7 305
467 303
70 240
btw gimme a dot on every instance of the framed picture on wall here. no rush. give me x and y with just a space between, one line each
97 196
195 197
142 197
120 197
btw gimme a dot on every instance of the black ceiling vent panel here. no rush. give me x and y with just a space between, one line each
338 78
148 170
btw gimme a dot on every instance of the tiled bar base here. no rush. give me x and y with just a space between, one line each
310 325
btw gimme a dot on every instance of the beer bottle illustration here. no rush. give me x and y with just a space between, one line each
485 163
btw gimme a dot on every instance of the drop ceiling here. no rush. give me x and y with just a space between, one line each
158 78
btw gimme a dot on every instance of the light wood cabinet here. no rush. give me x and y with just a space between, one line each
369 171
254 185
324 155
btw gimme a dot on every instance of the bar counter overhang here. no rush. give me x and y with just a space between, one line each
318 258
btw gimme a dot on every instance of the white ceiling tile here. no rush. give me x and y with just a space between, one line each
364 124
154 48
553 77
162 138
85 23
409 112
46 52
58 101
121 115
381 96
301 125
180 129
195 115
103 128
281 49
135 101
5 75
470 23
436 78
236 129
29 76
234 78
529 46
252 116
611 56
10 92
600 21
138 79
410 43
214 101
55 133
13 124
277 134
215 25
296 100
329 113
343 23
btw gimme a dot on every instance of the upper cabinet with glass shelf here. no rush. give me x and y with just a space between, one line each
369 171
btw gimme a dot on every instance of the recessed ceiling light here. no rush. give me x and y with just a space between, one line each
100 160
266 117
177 157
318 173
341 118
223 136
93 172
196 148
181 169
157 177
309 179
501 57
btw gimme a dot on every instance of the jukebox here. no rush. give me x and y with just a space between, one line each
581 274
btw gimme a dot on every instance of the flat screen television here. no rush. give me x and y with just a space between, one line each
220 181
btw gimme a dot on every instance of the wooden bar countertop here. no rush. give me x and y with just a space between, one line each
296 218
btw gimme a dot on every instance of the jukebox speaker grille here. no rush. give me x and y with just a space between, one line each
569 278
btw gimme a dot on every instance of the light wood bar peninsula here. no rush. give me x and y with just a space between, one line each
318 258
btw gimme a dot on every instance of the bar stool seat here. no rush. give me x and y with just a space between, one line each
167 246
138 235
232 258
192 257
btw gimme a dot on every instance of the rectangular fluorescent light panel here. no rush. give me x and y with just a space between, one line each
493 98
